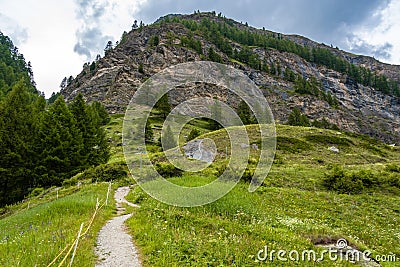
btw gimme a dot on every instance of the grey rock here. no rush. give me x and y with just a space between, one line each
334 149
198 150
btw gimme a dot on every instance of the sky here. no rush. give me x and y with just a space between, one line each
58 37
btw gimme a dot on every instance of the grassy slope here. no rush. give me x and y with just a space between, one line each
32 233
35 236
291 211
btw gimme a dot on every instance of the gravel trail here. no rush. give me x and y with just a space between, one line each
114 244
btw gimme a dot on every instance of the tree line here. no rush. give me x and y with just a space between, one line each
13 67
41 145
222 33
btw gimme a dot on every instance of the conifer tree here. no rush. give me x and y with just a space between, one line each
296 118
89 120
193 134
148 134
216 116
168 139
61 146
164 106
244 113
16 143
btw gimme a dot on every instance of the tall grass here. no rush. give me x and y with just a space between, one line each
231 231
35 237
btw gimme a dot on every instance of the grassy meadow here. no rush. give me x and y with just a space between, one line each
294 209
34 236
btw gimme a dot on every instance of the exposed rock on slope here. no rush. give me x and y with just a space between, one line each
114 79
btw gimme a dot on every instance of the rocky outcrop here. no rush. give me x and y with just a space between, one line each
114 79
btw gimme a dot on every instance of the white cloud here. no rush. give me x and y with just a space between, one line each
46 31
52 26
102 21
13 30
380 33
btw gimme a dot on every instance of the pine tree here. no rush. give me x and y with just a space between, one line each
148 134
216 116
244 113
98 147
17 135
89 120
168 139
63 84
193 134
164 106
92 67
102 113
61 145
108 47
296 118
141 68
213 56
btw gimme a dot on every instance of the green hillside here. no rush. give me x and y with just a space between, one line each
294 208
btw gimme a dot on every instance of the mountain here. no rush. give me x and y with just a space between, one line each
354 92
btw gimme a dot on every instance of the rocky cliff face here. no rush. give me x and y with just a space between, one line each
114 79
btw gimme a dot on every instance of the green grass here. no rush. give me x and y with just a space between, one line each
35 236
114 133
232 230
292 210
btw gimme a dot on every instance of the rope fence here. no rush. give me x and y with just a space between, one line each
74 245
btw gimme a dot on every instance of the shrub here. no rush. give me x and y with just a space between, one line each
36 192
296 118
4 210
394 180
355 182
233 173
329 139
342 182
141 68
154 40
71 181
168 170
324 124
291 145
193 134
248 174
106 172
393 168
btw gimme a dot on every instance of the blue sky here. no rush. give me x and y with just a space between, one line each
58 37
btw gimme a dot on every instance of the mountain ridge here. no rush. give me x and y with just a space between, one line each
360 108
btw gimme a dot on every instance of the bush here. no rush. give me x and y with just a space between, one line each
193 134
71 181
358 181
36 192
106 172
394 180
154 40
296 118
248 174
393 168
4 210
234 173
168 170
329 139
291 145
342 182
324 124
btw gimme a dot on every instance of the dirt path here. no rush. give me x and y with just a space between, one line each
114 245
